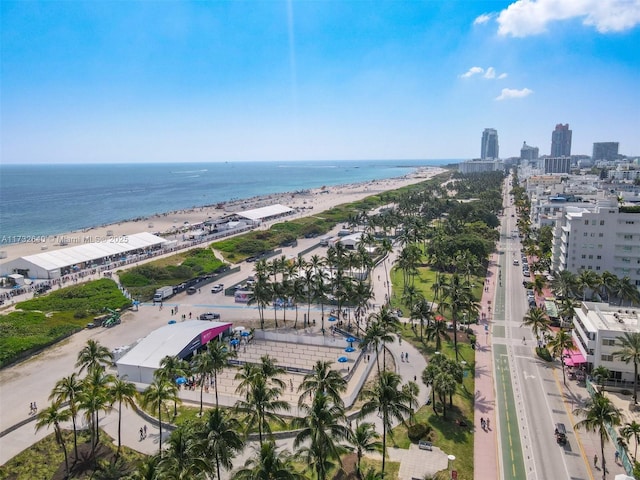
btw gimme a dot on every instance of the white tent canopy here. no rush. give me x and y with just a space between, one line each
259 214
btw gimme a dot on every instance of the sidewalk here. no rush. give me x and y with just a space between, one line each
485 451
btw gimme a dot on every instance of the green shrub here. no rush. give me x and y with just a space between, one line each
544 354
417 432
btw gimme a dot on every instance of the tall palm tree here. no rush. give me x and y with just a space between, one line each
298 294
608 284
219 438
601 373
627 291
599 412
121 391
171 368
558 344
364 439
386 247
444 384
323 424
95 398
387 398
631 429
322 381
268 464
219 359
422 312
52 416
261 405
436 331
261 295
457 297
148 469
630 352
202 364
564 284
389 324
320 292
374 337
69 389
537 319
93 355
182 459
156 396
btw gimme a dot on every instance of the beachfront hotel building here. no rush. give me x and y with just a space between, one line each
489 149
527 152
596 330
605 151
480 166
601 237
561 141
556 165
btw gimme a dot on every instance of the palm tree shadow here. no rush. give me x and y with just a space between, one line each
482 403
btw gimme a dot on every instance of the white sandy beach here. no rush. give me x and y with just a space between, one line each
306 203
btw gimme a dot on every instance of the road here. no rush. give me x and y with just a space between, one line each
529 397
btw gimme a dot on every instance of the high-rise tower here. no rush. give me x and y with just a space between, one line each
489 148
561 141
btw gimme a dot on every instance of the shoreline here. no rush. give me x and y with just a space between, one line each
305 202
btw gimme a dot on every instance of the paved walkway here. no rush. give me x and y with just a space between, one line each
485 451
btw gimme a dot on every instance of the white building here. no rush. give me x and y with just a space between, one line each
596 329
600 238
178 339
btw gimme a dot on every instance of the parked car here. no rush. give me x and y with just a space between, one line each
210 316
217 288
561 434
191 290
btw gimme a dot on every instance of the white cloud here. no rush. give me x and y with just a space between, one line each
531 17
489 73
509 93
472 71
484 18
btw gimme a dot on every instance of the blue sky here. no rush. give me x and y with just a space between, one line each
107 81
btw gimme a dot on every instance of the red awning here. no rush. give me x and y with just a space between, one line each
573 358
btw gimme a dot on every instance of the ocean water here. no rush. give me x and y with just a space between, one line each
50 199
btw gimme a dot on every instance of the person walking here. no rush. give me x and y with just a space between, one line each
595 461
617 456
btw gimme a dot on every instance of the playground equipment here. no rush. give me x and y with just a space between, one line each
113 318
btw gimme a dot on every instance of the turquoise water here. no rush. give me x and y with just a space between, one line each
49 199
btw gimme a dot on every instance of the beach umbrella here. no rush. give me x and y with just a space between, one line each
171 322
181 380
238 329
332 319
245 334
349 349
235 341
351 339
343 359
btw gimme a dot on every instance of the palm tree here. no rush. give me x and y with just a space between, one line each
386 247
219 439
320 291
537 319
563 284
171 368
148 469
558 344
268 464
627 291
445 385
298 294
389 324
599 412
322 381
202 365
69 389
322 424
261 294
182 459
457 296
95 398
631 429
53 415
630 352
387 398
94 355
157 394
260 406
436 331
608 284
422 312
219 359
364 439
121 391
600 373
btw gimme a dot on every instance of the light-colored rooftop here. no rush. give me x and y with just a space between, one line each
258 214
611 317
170 340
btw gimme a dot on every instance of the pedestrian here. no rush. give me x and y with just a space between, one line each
595 461
524 341
406 357
482 422
617 456
141 433
31 408
35 407
145 431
